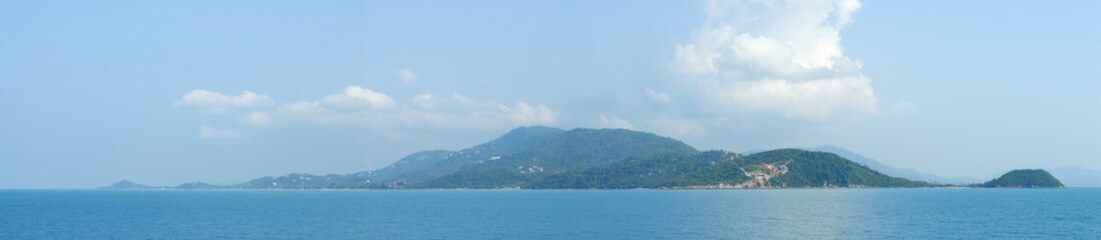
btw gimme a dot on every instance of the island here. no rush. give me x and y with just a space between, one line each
551 158
1024 178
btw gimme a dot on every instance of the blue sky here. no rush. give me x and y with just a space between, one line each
166 92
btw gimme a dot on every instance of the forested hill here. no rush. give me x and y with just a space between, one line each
544 157
428 165
572 150
1024 178
784 168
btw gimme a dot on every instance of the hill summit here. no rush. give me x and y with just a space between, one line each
1025 178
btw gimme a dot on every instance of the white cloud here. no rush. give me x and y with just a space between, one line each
359 106
524 114
454 103
356 97
459 107
364 107
208 132
817 100
301 108
615 122
424 101
304 112
406 76
659 96
258 118
777 57
213 102
467 103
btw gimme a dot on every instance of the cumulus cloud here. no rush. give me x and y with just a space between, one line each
815 100
615 122
659 96
782 57
356 97
208 132
406 76
457 106
213 102
524 114
362 106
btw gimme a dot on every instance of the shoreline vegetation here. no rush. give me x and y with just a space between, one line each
590 159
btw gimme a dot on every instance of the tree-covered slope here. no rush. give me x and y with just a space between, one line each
412 166
661 170
572 150
821 169
1024 178
777 168
429 165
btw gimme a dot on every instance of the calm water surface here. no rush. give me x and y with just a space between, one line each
1069 213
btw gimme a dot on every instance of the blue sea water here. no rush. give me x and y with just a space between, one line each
1068 213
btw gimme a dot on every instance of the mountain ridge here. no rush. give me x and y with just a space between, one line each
551 158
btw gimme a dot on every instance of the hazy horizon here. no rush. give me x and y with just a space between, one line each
163 93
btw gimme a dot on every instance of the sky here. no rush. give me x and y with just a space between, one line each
168 92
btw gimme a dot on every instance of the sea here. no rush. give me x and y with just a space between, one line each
917 213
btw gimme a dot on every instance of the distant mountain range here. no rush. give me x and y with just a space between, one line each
551 158
899 172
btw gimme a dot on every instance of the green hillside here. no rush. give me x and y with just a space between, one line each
1024 178
572 150
551 158
719 169
428 165
661 170
820 169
